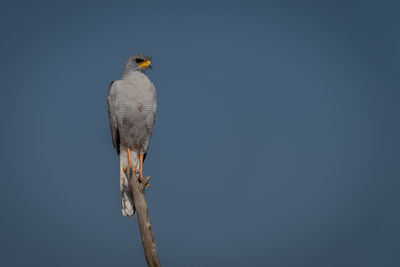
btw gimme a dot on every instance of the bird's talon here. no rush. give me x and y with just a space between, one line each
146 181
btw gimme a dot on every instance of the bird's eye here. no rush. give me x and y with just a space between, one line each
139 60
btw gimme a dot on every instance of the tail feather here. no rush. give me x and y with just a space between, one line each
128 206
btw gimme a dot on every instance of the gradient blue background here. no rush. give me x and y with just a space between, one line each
276 142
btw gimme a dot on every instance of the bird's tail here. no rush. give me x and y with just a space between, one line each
128 206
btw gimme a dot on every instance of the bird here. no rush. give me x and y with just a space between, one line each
132 108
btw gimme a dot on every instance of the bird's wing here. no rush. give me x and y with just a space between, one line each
111 101
152 119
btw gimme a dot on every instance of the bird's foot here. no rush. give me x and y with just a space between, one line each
146 181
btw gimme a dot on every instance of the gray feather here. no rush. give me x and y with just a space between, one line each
132 109
112 117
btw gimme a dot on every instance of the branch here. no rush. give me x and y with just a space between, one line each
146 229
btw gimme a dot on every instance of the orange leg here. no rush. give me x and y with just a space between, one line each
129 157
141 167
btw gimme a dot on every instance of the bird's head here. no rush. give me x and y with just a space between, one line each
138 62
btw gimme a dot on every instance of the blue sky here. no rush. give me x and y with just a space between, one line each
275 142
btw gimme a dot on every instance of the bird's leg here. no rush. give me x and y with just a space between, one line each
141 166
141 172
130 159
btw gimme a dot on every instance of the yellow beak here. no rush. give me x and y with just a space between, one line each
145 64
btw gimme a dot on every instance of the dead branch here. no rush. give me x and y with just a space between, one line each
142 211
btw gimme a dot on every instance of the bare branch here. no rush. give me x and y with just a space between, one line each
146 229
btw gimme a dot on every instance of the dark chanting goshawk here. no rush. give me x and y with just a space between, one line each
132 107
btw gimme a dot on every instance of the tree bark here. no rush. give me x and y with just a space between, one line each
142 211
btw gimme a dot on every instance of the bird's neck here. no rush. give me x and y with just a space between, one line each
132 74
